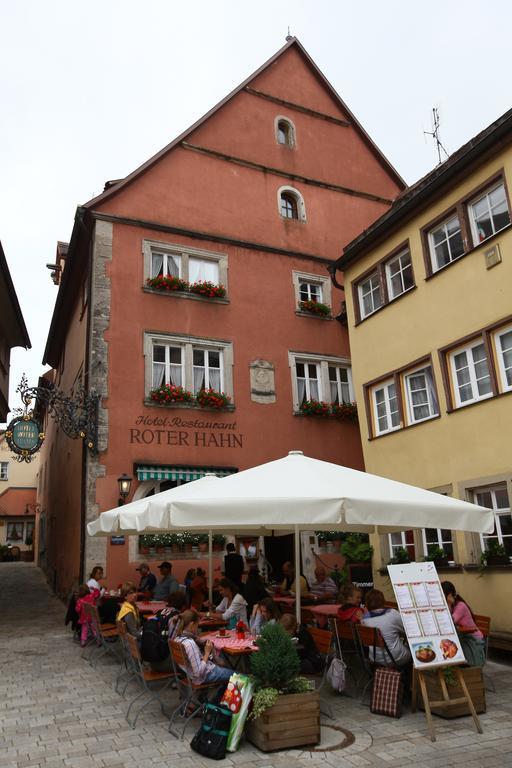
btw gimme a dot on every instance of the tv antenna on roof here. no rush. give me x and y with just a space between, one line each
435 135
289 36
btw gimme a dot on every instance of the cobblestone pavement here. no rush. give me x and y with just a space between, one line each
58 712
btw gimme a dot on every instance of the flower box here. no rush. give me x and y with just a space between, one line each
208 290
315 308
293 721
167 283
210 398
168 394
315 408
345 411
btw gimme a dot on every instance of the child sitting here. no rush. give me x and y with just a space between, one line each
86 596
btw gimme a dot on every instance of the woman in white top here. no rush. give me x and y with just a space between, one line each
391 627
233 607
95 578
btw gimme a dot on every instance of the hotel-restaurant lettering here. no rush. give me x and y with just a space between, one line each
166 430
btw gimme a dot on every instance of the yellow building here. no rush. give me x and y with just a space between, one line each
429 308
19 514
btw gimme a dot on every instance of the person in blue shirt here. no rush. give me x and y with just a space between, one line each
167 583
147 579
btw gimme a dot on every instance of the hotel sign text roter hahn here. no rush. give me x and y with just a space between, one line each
24 437
193 433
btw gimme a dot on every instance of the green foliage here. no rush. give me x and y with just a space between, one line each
147 540
339 576
262 700
218 538
435 553
300 685
356 548
401 556
277 662
494 549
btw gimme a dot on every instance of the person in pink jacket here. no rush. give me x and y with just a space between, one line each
86 596
471 639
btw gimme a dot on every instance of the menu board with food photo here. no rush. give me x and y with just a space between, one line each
425 614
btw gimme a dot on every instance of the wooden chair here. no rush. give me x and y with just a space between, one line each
146 677
369 639
484 625
346 646
191 696
391 604
126 667
104 637
323 640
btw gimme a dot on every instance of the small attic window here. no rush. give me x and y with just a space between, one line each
291 204
285 132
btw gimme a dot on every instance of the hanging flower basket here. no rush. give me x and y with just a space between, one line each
315 408
315 308
208 290
170 393
210 398
345 411
167 283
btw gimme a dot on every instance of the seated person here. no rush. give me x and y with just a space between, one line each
94 580
233 607
310 659
289 583
176 604
323 586
167 583
350 609
471 639
147 579
198 590
254 588
202 668
263 613
129 613
390 624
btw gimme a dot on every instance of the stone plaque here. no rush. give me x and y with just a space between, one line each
262 382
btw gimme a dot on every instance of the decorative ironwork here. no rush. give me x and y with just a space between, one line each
76 414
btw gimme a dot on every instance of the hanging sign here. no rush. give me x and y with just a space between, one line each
427 620
24 436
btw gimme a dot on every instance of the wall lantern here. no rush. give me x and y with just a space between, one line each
124 483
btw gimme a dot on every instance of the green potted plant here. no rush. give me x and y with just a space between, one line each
174 542
210 398
401 556
202 540
218 542
438 556
145 543
356 548
494 554
279 693
208 289
315 308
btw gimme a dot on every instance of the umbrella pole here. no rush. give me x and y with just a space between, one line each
297 573
210 568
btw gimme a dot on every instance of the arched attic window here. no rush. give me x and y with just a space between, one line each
285 132
291 204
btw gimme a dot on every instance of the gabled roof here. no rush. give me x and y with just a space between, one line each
13 325
112 188
412 199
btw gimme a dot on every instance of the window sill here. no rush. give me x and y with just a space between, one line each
479 402
483 244
187 406
383 306
299 313
475 567
405 427
186 295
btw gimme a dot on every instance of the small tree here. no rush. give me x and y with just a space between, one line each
277 662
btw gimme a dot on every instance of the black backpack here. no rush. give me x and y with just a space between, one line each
154 645
212 736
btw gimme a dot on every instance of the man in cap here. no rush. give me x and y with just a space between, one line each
167 583
147 579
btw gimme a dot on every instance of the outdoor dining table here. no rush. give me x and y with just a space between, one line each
150 606
232 647
324 611
284 600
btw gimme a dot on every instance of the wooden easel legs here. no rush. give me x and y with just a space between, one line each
446 701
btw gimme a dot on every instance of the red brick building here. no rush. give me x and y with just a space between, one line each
260 195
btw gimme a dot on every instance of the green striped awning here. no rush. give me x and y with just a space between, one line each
160 472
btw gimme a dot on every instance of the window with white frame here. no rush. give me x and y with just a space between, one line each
470 370
340 384
190 362
310 291
310 287
370 294
437 538
489 213
495 497
402 540
4 465
386 407
421 395
291 204
190 264
315 377
285 132
15 533
399 276
445 242
503 340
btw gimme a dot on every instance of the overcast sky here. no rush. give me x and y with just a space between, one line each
88 91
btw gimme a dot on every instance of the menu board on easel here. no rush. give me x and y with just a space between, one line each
425 614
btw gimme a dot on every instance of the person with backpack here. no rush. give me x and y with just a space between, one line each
129 613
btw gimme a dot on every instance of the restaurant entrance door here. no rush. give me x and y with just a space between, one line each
278 549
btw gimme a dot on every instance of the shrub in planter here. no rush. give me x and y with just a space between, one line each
315 408
401 556
437 555
170 393
145 543
167 283
207 289
210 398
219 542
315 308
344 411
203 542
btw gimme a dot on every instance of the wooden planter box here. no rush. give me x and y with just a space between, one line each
475 684
293 721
